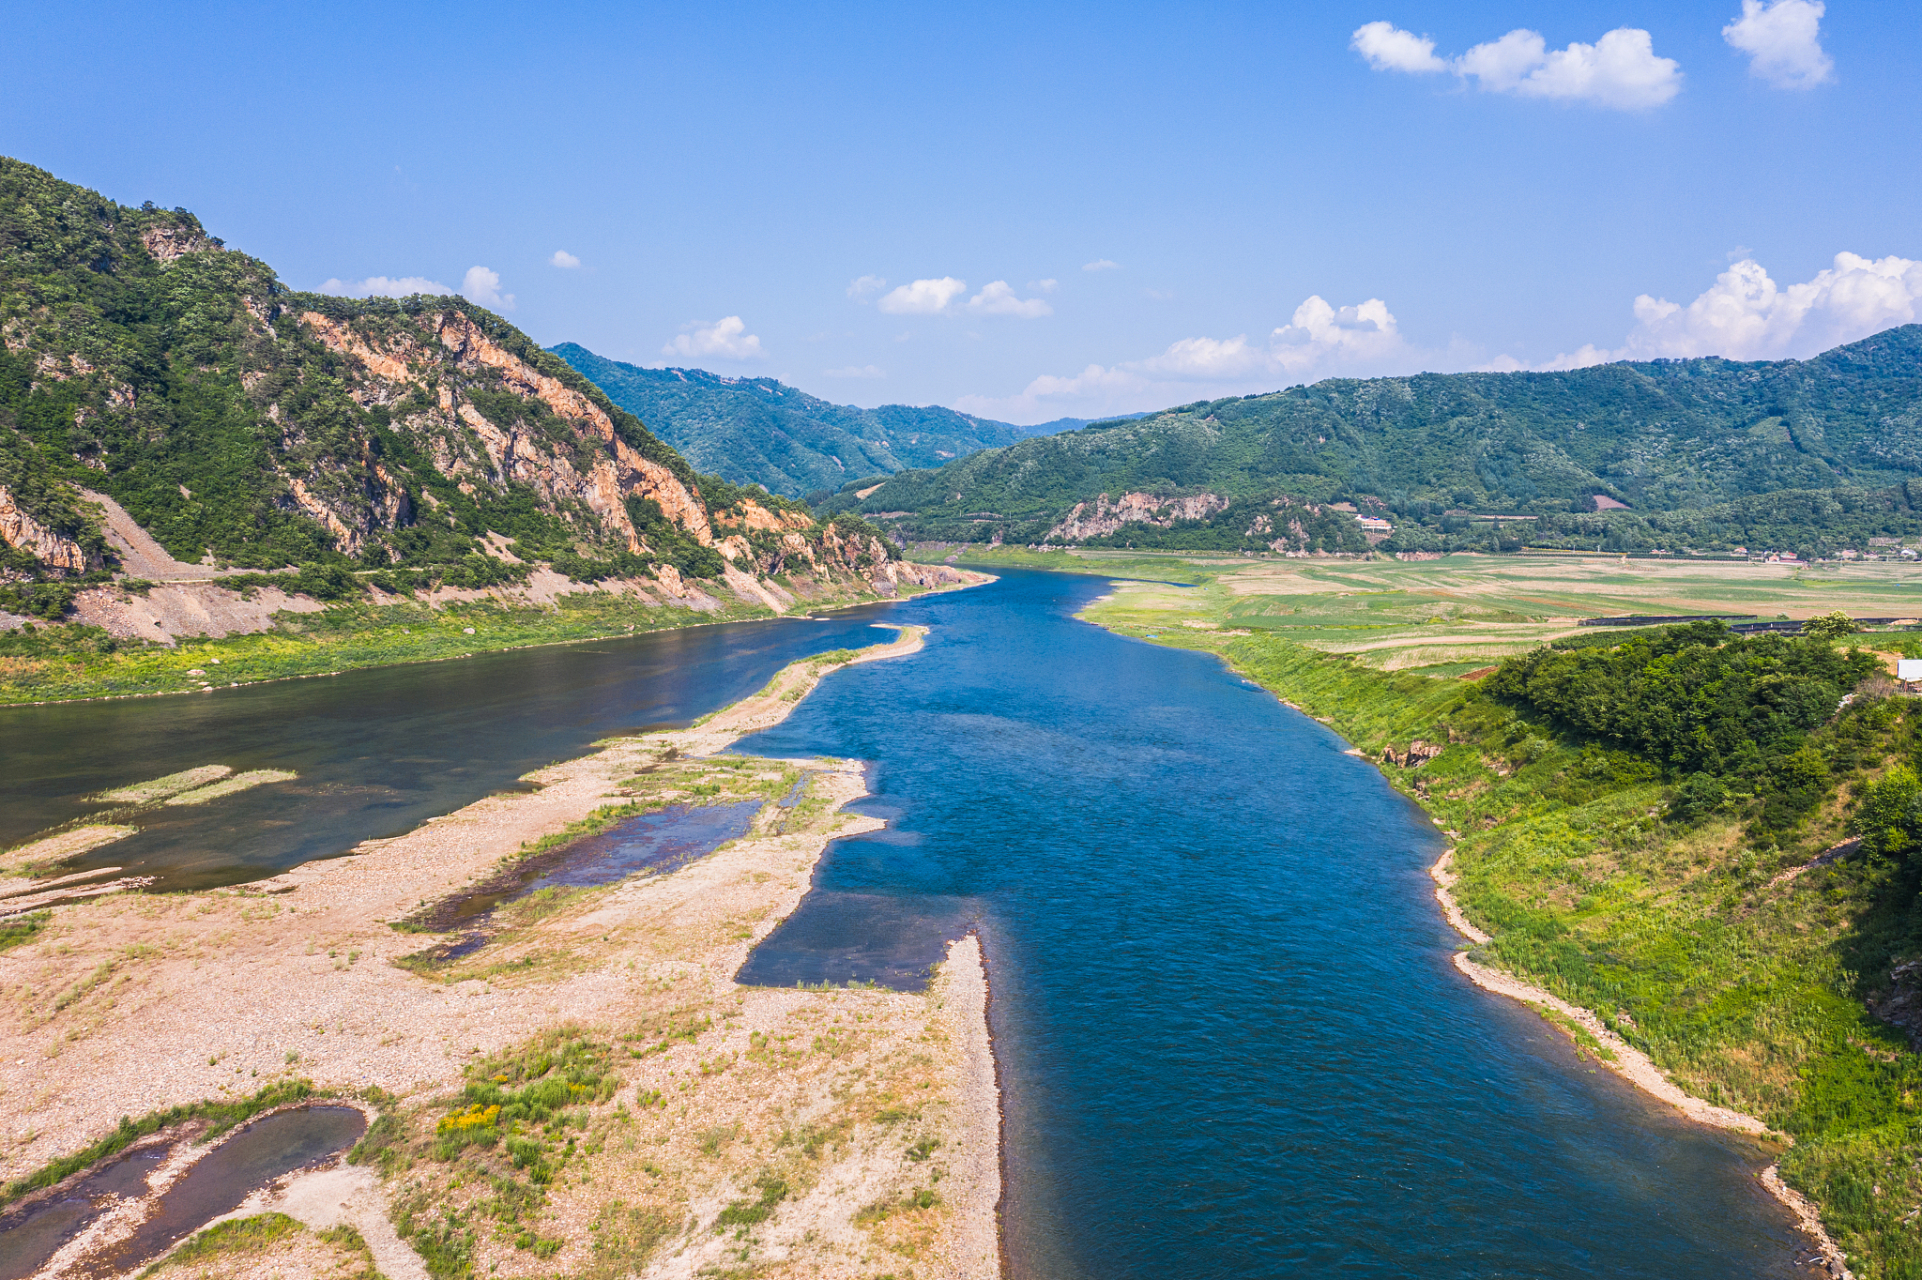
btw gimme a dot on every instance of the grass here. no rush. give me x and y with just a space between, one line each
231 786
1749 996
161 788
235 1236
22 928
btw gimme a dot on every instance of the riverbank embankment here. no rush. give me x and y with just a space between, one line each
697 1123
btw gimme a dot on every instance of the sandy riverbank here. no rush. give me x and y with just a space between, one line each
871 1111
1624 1058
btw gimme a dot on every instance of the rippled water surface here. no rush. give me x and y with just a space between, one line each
1230 1037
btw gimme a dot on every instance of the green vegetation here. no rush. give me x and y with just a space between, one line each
1709 455
1692 702
18 929
760 431
236 1235
747 1213
521 1120
1648 829
514 1096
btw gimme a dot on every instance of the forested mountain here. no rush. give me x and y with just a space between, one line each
246 424
1705 453
760 431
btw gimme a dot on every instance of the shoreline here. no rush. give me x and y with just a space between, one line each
969 578
1628 1062
223 969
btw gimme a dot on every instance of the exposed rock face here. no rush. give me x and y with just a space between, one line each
168 243
752 516
599 478
167 613
1901 1005
18 529
1418 754
1104 517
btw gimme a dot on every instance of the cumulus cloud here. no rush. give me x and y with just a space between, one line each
565 260
923 297
1620 70
384 287
1389 48
1745 315
484 286
727 338
1319 340
860 288
1101 264
1783 39
998 299
855 371
1044 286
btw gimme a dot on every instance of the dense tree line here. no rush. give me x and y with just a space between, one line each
1719 715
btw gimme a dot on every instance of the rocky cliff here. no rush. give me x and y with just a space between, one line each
413 445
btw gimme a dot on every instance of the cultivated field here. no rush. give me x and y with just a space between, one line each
1462 612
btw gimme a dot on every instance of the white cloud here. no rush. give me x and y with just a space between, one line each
923 297
727 338
565 260
1044 286
998 299
1783 40
860 288
1319 340
854 371
484 286
384 287
1389 48
1620 70
1745 315
1101 264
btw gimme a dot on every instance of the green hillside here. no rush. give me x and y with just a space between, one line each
245 424
1697 450
760 431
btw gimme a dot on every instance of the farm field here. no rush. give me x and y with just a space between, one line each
1459 613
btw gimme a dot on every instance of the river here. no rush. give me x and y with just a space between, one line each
1229 1036
378 751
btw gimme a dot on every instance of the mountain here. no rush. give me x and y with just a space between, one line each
760 431
1702 453
148 373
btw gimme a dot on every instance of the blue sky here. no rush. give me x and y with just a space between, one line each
1285 192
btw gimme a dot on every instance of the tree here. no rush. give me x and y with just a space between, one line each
1830 626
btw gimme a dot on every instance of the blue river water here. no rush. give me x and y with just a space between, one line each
1230 1039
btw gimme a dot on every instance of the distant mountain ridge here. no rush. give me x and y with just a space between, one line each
762 431
1706 453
